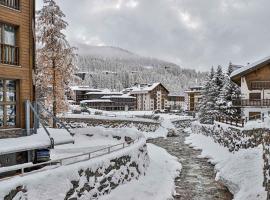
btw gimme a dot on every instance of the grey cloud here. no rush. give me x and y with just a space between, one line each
193 33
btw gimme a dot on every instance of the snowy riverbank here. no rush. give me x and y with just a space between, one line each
157 184
241 172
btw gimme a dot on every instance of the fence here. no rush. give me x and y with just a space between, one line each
32 168
231 121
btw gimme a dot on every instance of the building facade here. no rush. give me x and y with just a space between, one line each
176 102
150 96
254 80
16 67
193 98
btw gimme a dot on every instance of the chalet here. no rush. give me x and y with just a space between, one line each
193 98
16 66
176 101
149 96
254 80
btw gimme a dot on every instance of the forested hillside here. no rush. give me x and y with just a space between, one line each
116 68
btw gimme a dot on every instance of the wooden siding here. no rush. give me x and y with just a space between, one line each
23 19
261 74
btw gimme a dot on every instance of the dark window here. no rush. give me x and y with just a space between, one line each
7 103
254 96
15 4
9 52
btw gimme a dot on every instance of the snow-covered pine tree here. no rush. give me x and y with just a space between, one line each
207 104
55 58
215 92
229 91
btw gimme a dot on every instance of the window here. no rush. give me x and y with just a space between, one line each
7 103
15 4
9 53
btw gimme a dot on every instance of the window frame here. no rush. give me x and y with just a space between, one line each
15 48
5 103
16 4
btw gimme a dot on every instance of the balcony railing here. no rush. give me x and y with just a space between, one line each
249 102
9 54
15 4
259 85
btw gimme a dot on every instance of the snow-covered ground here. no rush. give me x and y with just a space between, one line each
92 139
157 184
242 171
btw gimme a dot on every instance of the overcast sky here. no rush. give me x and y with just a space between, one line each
192 33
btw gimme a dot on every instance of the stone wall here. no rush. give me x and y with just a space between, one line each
83 122
182 124
85 180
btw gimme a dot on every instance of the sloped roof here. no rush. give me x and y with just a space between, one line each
144 89
250 67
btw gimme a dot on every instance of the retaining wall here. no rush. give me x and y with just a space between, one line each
84 180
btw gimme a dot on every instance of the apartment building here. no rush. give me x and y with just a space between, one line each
16 66
254 80
149 96
176 101
193 98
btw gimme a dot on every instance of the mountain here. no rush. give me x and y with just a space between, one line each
116 68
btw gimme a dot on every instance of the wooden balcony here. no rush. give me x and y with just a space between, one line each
9 54
259 85
249 102
15 4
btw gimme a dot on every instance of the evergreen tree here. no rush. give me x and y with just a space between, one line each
55 58
229 91
207 103
217 85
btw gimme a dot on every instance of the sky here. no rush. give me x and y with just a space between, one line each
195 34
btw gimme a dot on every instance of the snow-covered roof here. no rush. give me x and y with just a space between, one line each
36 141
96 101
120 97
141 88
250 67
105 93
83 88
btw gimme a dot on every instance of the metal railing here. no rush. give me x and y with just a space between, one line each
9 54
52 164
15 4
238 122
249 102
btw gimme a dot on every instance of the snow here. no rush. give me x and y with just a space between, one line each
250 66
36 141
109 116
83 88
96 101
258 124
92 139
158 184
241 172
143 89
56 182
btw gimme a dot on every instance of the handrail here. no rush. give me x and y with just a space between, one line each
61 163
56 119
44 127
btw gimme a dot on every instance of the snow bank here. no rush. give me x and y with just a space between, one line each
36 141
84 180
158 184
241 172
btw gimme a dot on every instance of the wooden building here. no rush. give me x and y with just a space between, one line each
193 98
16 67
254 80
150 96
